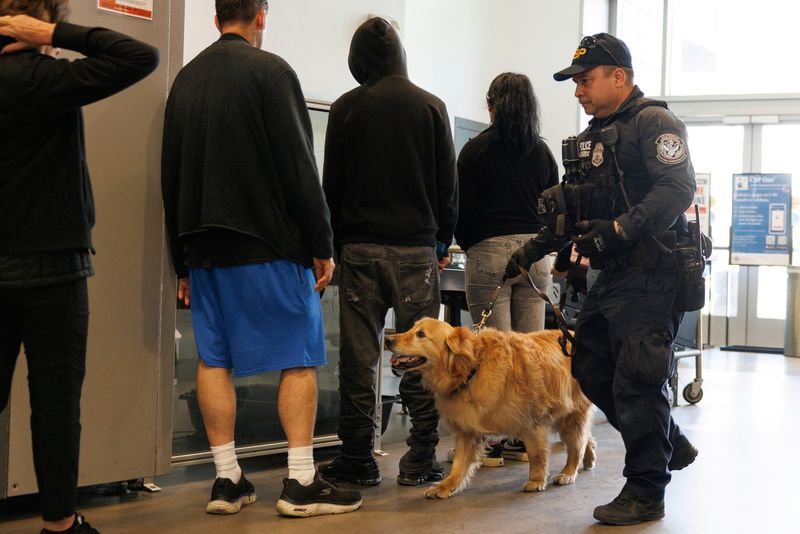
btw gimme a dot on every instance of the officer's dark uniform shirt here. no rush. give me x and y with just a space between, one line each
658 178
658 174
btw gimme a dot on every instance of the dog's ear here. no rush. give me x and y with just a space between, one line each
460 358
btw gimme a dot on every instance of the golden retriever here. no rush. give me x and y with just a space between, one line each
500 383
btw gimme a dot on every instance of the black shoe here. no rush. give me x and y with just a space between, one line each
514 449
353 471
228 498
80 526
683 456
319 498
629 509
418 478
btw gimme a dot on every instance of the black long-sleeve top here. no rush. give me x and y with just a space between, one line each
46 204
239 178
499 191
389 174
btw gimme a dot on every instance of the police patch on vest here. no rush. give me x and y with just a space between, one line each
597 154
670 149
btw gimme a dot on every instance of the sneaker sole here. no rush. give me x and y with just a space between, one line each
516 456
492 462
622 522
417 481
220 507
287 508
367 482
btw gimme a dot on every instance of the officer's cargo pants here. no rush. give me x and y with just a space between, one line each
624 358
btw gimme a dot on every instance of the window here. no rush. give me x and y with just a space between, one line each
732 47
639 24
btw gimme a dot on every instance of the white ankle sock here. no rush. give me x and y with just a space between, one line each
301 464
225 461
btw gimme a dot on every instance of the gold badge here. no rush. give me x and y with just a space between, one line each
597 154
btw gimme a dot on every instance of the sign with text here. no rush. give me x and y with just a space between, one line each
142 9
760 229
702 197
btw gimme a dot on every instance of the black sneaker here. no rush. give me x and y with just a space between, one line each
683 456
514 449
629 508
319 498
228 498
418 478
80 526
353 471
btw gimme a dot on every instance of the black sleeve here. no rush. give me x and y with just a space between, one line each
665 154
333 178
447 185
170 188
113 62
289 130
467 192
543 243
550 167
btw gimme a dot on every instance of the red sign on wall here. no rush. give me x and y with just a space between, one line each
142 9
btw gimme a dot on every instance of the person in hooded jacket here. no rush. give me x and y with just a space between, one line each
389 178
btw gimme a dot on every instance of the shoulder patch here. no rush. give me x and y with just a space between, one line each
670 149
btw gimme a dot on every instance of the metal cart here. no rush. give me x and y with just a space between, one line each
690 338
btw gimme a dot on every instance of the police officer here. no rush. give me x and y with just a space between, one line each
622 203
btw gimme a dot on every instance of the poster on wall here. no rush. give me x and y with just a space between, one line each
702 197
760 228
142 9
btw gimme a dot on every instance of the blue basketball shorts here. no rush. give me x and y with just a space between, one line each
257 318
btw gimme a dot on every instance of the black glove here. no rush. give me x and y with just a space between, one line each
524 257
597 238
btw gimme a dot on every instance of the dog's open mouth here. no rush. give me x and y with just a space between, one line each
407 362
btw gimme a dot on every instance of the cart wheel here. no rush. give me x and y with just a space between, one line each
692 399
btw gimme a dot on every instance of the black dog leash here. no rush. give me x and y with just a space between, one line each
566 335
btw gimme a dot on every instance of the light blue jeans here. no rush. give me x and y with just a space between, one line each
518 307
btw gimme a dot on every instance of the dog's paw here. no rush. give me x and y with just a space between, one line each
563 479
535 485
438 492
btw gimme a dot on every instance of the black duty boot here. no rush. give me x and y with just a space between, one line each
418 467
352 470
683 455
629 508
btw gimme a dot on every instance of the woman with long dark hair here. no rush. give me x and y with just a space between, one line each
502 173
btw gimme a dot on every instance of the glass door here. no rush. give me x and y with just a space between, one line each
747 305
717 150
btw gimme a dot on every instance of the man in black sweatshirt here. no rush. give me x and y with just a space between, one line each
389 179
46 216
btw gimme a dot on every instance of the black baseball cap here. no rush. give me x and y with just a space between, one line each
595 50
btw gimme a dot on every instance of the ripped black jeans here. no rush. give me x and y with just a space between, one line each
375 278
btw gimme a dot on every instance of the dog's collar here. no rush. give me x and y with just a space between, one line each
463 386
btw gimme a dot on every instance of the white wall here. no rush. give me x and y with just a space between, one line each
312 35
454 47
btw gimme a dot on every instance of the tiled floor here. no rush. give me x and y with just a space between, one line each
747 428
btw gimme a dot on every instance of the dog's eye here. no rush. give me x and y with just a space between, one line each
420 333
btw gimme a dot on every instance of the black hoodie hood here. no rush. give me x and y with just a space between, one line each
376 51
